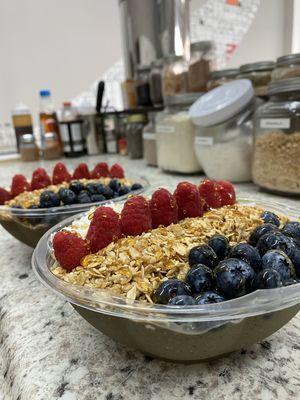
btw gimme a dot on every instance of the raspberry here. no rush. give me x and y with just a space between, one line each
40 179
164 209
209 194
4 196
135 216
104 228
60 174
227 193
100 171
69 249
116 171
81 172
19 185
188 200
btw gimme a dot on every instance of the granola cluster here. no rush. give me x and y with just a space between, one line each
135 266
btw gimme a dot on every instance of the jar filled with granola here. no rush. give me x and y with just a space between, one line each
287 66
259 74
174 75
276 164
202 54
219 77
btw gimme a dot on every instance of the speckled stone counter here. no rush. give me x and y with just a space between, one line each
47 351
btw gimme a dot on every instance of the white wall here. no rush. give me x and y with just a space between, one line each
65 45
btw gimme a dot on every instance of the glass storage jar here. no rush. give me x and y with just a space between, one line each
259 74
155 80
276 164
224 133
149 141
134 135
218 78
175 135
142 86
28 148
287 66
174 76
200 66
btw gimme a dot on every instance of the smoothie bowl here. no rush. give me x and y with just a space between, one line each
191 290
29 209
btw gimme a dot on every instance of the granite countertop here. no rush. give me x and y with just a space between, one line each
47 351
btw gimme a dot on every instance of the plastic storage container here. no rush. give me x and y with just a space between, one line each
142 86
259 74
149 141
184 334
200 65
155 80
276 164
174 75
287 66
175 134
134 135
218 78
223 141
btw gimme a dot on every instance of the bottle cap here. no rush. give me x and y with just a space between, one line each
45 93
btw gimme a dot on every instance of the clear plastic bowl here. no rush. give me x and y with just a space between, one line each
28 226
174 333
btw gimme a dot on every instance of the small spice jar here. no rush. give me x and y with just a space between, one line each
218 78
287 66
200 65
134 135
28 148
52 148
277 139
142 86
155 80
174 76
149 141
259 74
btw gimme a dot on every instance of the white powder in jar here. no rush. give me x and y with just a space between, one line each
230 160
175 136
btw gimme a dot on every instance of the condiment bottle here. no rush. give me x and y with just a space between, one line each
52 148
48 117
28 148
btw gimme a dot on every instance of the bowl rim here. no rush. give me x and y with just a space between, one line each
74 208
260 302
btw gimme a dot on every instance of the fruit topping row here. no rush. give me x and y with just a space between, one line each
140 215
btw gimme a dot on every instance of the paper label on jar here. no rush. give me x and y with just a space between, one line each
204 140
165 129
149 135
273 123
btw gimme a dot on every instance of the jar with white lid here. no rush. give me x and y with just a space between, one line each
277 139
175 134
149 141
224 131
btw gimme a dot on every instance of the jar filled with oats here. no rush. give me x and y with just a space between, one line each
276 165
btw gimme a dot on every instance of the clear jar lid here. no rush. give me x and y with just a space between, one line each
28 138
257 66
224 73
284 86
288 59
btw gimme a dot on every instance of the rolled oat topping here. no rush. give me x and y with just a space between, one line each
135 266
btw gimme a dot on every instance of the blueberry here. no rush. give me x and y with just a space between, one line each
107 192
247 253
273 241
169 289
259 232
220 245
182 300
209 298
67 196
292 229
94 188
124 190
203 254
136 186
84 197
49 199
76 187
294 254
267 279
270 218
280 262
200 278
234 278
115 185
95 198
